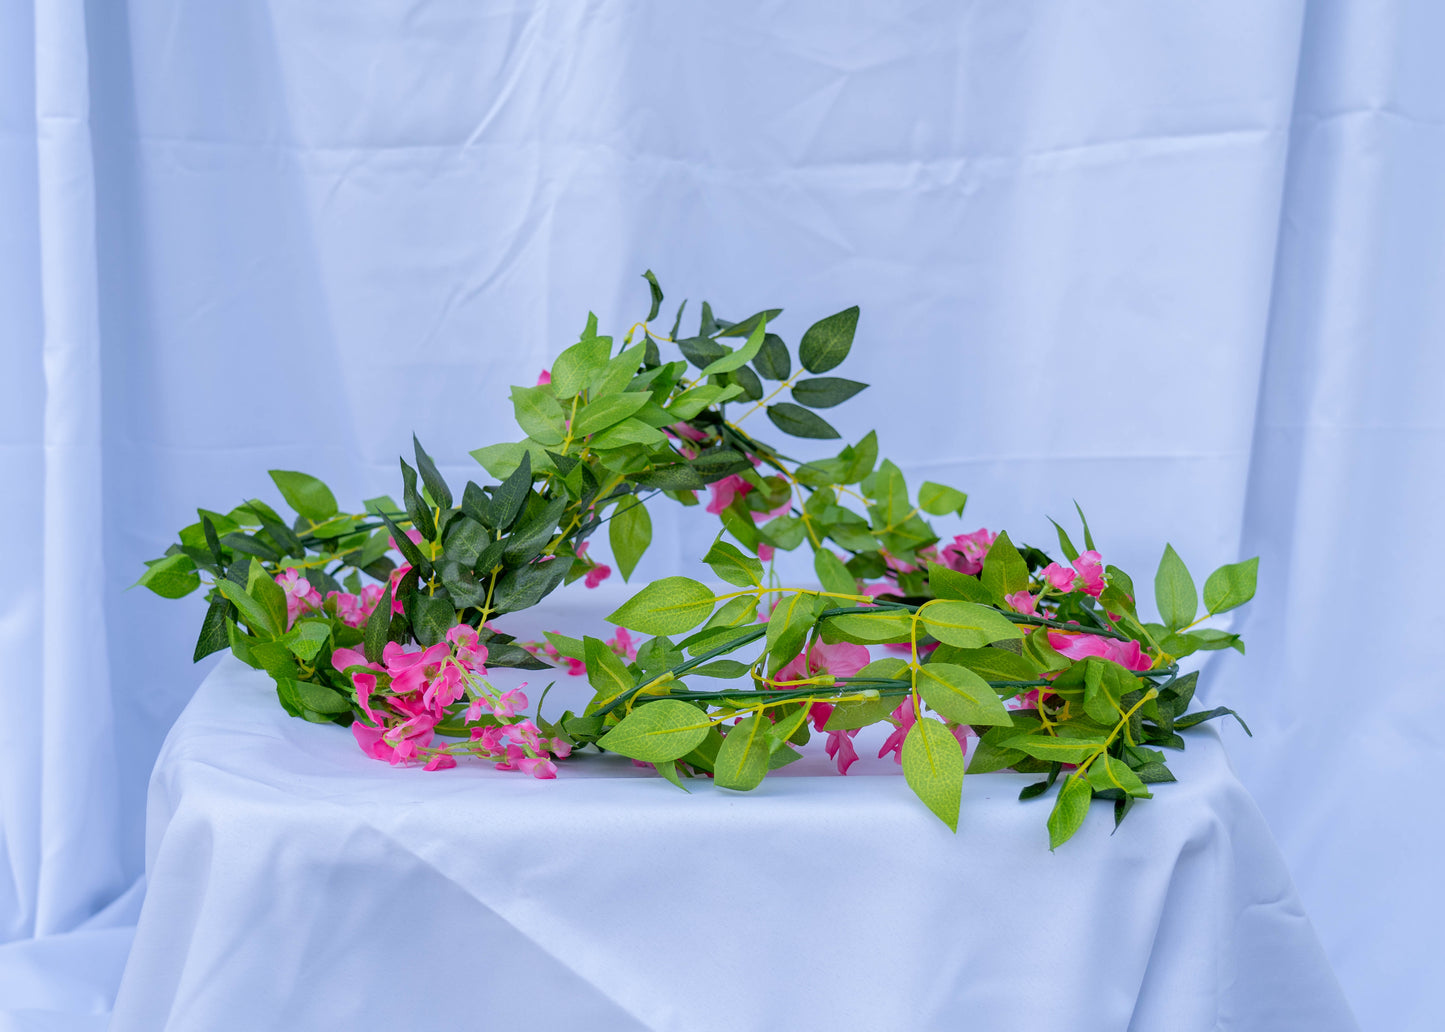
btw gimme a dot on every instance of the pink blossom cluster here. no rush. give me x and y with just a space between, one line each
620 643
304 600
1087 576
407 694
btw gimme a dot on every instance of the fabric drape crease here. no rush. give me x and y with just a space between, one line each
1177 262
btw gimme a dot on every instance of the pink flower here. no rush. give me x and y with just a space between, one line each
575 667
1091 572
598 574
687 431
544 377
465 647
440 761
559 747
843 659
301 597
1059 577
348 608
1022 602
1028 700
894 742
840 749
622 644
765 551
344 659
723 492
538 766
509 702
1127 654
967 552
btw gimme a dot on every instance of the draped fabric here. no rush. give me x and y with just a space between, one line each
1173 261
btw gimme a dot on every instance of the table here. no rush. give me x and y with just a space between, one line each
296 884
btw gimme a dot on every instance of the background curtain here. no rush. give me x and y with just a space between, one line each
1179 262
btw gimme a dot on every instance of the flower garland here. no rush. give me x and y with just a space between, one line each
1046 663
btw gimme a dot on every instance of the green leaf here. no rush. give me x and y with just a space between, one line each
378 627
752 322
630 532
172 577
933 768
435 484
618 373
574 368
726 669
788 628
433 616
1231 586
946 583
1105 683
884 626
729 563
629 431
668 606
306 638
511 495
828 341
742 762
531 534
988 758
772 361
940 499
848 715
799 422
657 732
742 356
677 476
1065 545
607 411
607 675
416 509
1070 809
497 459
967 624
318 698
701 351
213 630
307 495
689 403
989 663
656 296
832 574
1004 569
262 586
825 391
748 380
1109 773
1190 719
524 587
1061 750
539 414
406 546
1088 537
1174 591
960 695
253 612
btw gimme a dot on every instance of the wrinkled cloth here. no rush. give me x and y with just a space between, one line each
296 884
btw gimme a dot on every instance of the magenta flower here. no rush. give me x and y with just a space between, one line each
967 552
1022 602
840 749
622 644
765 551
509 702
599 571
440 761
843 659
464 641
722 492
687 431
1059 577
544 377
1127 654
301 597
538 766
894 743
1091 572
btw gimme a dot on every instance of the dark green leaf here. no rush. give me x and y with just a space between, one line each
825 391
378 627
828 341
416 508
511 495
525 586
701 351
799 422
436 486
213 629
679 476
772 361
749 382
656 296
1190 719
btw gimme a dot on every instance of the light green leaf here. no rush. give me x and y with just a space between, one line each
1061 750
607 411
1107 772
262 586
500 460
960 695
940 499
318 698
539 414
881 627
1004 570
630 532
606 674
172 577
572 648
742 356
255 614
691 402
848 715
1070 809
1174 591
967 624
729 563
306 638
832 574
788 628
307 495
1231 586
668 606
656 732
1066 546
629 431
742 762
575 367
1105 683
618 373
990 664
933 768
828 341
951 584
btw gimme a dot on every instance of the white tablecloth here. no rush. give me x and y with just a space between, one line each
296 884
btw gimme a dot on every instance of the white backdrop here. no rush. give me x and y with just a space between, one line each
1178 261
